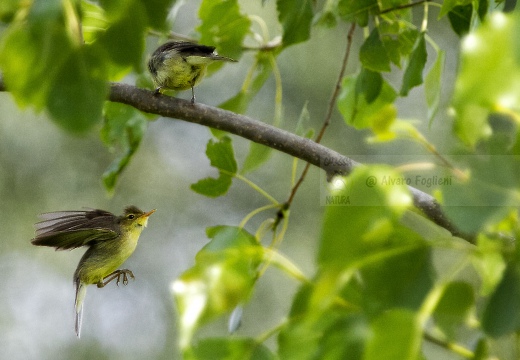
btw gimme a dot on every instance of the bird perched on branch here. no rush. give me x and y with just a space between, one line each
180 65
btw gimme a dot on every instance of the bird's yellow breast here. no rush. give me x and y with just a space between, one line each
105 257
178 73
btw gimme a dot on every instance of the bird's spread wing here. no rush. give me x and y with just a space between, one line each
72 229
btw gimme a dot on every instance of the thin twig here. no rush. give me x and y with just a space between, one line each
404 6
454 347
328 116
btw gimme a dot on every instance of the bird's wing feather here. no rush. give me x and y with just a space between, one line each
72 229
72 239
185 48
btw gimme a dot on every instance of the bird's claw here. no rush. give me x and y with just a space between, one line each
125 273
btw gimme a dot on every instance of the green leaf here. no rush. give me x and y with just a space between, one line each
345 338
413 73
432 85
32 52
489 263
157 13
212 187
369 84
258 154
296 18
45 67
390 33
327 17
424 227
502 313
357 10
330 336
94 21
355 109
123 128
449 5
376 204
401 277
31 55
454 306
482 350
223 276
460 19
303 125
223 26
482 8
76 97
227 237
407 40
229 349
488 78
240 102
8 9
154 12
221 156
472 204
373 54
396 335
123 41
490 184
314 332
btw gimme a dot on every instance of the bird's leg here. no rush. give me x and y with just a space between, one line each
192 95
116 274
157 91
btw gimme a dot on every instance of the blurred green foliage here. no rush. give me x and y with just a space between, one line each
378 291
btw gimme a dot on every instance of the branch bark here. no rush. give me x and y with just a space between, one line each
307 150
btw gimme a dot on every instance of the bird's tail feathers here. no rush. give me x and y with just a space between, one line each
81 291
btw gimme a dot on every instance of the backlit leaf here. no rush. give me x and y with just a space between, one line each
221 156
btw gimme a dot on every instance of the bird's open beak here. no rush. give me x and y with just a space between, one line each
145 215
143 219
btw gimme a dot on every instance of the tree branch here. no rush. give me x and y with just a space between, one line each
307 150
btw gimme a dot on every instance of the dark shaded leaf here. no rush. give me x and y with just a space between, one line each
373 53
460 19
228 349
402 342
453 308
123 129
296 18
357 10
502 314
413 73
223 26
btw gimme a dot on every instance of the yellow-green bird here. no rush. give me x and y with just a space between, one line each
111 240
180 65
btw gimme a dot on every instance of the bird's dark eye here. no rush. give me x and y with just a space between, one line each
131 216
